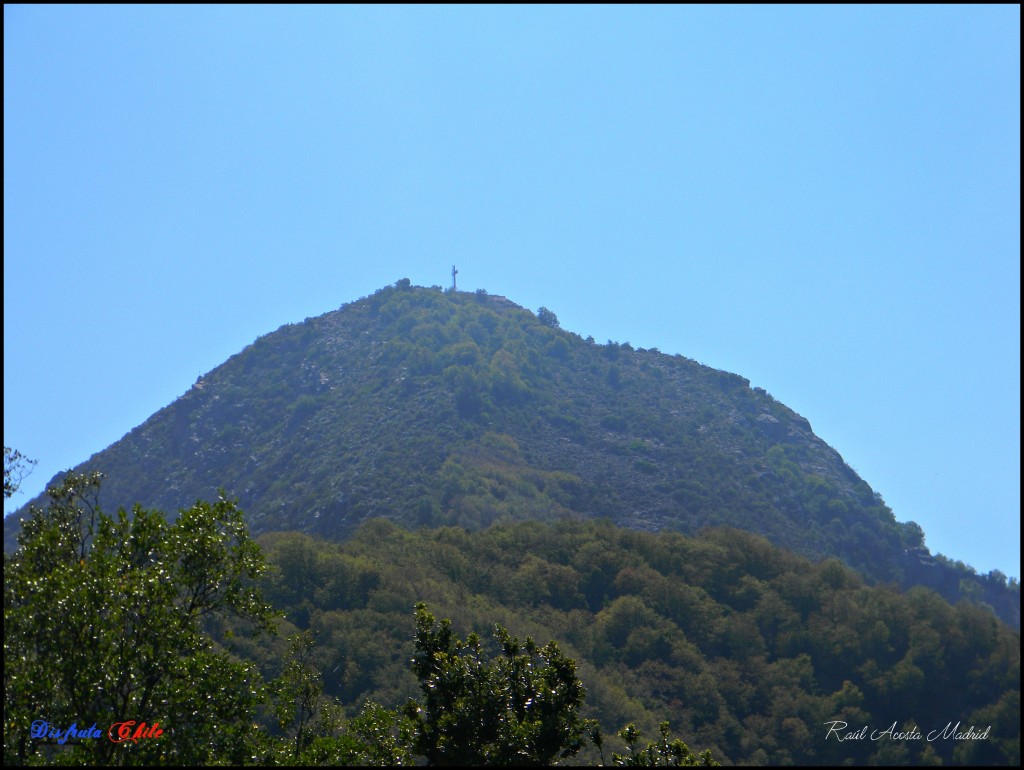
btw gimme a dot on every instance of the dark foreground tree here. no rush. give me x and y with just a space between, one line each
522 708
102 625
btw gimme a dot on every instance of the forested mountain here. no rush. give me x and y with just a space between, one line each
282 651
746 649
431 407
698 552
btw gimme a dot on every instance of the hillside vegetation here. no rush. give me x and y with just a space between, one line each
745 649
753 654
437 408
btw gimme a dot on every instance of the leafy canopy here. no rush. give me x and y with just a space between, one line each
103 622
522 708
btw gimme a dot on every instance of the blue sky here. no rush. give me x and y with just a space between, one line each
824 200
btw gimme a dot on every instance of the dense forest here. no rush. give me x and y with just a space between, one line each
744 648
296 649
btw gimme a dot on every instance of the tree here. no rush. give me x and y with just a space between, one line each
519 708
315 729
103 624
663 753
547 317
16 468
522 708
300 692
377 737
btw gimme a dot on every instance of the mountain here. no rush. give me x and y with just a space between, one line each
431 407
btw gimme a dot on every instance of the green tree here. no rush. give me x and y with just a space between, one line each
103 623
299 691
522 708
547 317
663 752
377 737
16 468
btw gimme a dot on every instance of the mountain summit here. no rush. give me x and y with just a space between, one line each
431 407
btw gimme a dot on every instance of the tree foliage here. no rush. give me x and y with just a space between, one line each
106 620
522 708
16 467
664 752
746 649
547 317
749 649
103 619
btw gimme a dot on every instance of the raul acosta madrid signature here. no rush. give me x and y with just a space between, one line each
840 731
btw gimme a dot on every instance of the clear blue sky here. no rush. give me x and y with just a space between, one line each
824 200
